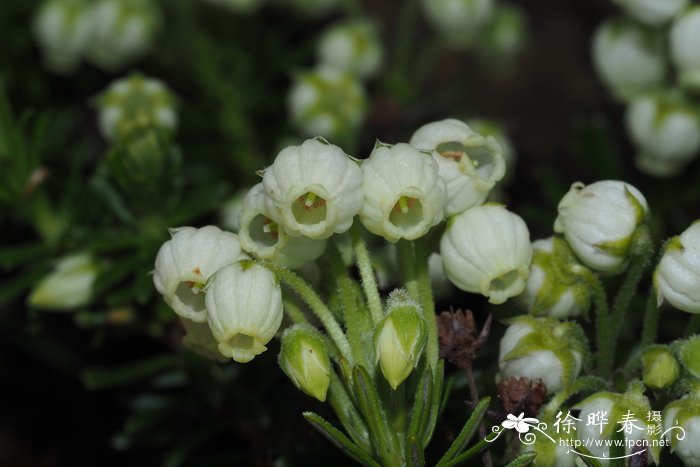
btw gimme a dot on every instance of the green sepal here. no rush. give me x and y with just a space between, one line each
337 438
468 431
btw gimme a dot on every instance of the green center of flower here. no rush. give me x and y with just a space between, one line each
242 342
309 209
191 295
407 212
264 231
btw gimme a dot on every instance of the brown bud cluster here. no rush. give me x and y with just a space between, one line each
459 337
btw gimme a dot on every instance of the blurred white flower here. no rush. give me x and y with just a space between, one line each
685 37
459 21
677 277
62 28
652 12
352 47
68 285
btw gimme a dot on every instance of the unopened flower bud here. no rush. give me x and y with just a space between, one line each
264 238
68 286
304 359
135 102
62 28
469 163
685 36
628 57
314 189
682 428
554 287
688 352
660 368
677 277
487 250
327 102
665 127
199 339
351 47
400 338
460 22
185 263
542 348
605 413
652 12
122 31
599 221
244 306
404 195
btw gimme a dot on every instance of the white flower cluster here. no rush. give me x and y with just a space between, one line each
631 56
132 101
108 33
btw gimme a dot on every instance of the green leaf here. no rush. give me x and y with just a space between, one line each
436 399
523 460
617 450
473 451
341 441
17 284
470 428
101 378
17 254
421 404
382 435
587 457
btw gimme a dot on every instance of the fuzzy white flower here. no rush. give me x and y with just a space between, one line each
628 57
459 21
68 285
244 302
185 263
677 277
542 348
685 440
404 195
121 31
263 238
599 221
327 102
652 12
132 101
62 28
685 37
666 130
351 46
553 288
314 189
469 163
487 250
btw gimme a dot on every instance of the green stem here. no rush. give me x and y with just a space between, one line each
304 290
425 294
641 252
407 265
294 313
651 320
604 357
397 83
369 283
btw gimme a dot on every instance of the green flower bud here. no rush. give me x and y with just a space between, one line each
304 359
660 368
68 286
682 428
400 338
689 354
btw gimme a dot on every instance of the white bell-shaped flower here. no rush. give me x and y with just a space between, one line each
487 250
185 263
652 12
666 130
469 163
244 302
135 100
488 127
599 221
327 102
122 31
68 286
554 287
352 47
62 28
677 277
404 195
459 21
628 57
685 37
682 428
542 348
314 189
263 238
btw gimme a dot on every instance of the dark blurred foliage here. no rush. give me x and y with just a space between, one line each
110 385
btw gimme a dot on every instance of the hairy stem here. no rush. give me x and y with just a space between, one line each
369 283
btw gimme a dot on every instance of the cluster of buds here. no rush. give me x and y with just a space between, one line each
135 102
630 55
109 33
